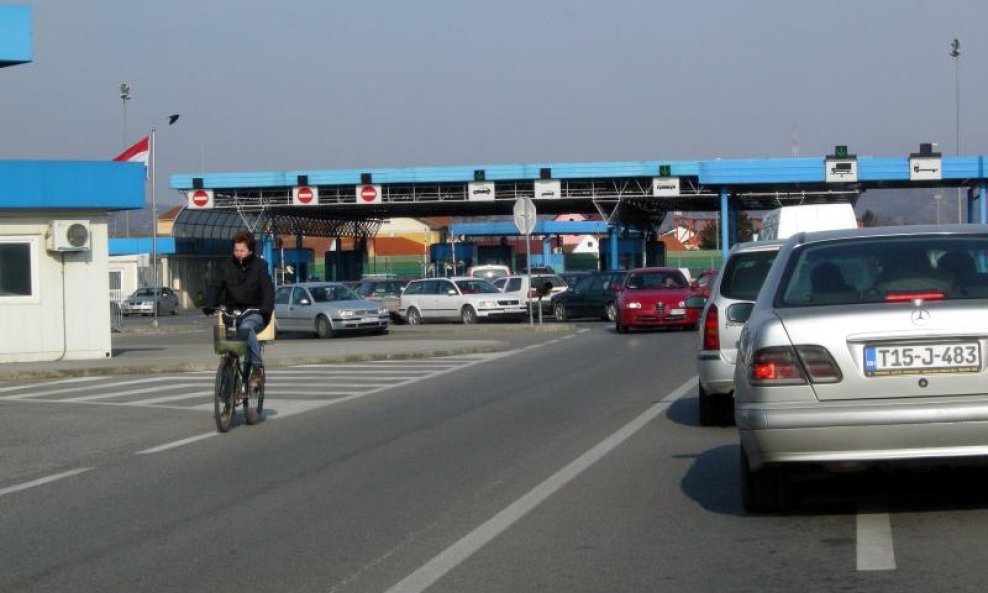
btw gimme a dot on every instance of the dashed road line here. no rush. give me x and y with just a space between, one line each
45 480
875 548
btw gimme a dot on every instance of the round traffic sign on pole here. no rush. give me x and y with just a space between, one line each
524 215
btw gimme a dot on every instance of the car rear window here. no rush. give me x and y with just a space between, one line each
475 286
745 273
555 281
855 271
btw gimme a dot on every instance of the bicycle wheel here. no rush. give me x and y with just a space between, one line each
254 402
223 394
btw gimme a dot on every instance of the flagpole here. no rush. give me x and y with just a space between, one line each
154 237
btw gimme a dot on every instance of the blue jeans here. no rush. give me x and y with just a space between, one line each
247 330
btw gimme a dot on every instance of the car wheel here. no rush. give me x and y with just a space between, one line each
414 317
610 312
323 328
761 491
468 315
560 312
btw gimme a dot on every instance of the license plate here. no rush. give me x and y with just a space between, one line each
916 359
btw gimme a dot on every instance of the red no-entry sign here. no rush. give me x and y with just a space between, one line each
305 195
201 198
368 194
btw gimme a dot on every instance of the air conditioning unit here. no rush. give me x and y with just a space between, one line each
69 235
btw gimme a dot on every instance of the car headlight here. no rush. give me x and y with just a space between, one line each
382 311
346 314
487 304
633 305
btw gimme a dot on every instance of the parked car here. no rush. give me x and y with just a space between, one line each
703 282
744 271
593 295
864 347
519 285
467 299
655 297
571 278
386 290
141 302
538 270
326 309
489 271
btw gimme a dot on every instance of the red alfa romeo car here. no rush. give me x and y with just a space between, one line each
655 297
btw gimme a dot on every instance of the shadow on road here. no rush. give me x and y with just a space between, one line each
713 481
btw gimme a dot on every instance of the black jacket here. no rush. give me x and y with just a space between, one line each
242 285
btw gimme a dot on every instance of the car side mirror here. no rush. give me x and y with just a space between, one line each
618 288
694 285
304 302
696 301
451 292
739 312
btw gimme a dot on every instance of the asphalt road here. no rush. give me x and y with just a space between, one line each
572 463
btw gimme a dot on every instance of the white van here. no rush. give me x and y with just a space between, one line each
785 222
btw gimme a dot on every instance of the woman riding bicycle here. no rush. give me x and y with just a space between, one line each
242 282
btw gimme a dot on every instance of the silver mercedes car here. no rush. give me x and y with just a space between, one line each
864 346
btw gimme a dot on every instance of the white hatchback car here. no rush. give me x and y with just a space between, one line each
463 298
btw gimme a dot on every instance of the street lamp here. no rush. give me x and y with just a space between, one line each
955 52
124 97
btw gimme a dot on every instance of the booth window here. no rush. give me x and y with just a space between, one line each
18 269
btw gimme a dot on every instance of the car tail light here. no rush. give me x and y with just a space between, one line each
777 365
711 329
819 364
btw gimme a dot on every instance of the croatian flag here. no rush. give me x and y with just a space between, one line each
138 153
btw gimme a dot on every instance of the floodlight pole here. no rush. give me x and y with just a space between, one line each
955 52
154 236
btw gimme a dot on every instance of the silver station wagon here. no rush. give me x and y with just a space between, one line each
327 309
864 346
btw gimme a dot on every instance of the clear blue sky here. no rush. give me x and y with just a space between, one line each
364 83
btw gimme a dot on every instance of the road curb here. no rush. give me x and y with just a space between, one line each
270 362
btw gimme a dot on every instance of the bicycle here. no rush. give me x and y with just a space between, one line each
234 375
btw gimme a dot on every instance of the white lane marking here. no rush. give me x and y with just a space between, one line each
170 398
155 389
452 556
47 383
332 373
875 548
89 387
178 443
46 480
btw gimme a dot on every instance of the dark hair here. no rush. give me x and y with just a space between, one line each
243 236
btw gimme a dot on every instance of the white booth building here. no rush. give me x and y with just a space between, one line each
54 256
